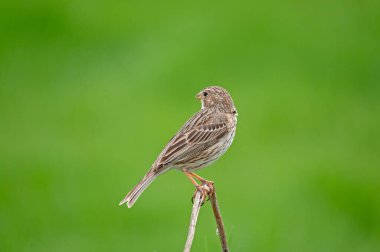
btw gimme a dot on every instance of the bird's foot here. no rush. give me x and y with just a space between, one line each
206 189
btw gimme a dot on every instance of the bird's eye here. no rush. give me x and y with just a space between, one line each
205 93
234 112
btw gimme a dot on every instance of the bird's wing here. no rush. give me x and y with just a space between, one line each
197 134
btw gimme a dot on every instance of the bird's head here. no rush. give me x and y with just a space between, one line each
216 97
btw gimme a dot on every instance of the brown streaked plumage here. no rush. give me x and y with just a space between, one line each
204 138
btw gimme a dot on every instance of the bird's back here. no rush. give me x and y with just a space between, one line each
201 141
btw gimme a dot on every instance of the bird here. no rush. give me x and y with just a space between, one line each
203 139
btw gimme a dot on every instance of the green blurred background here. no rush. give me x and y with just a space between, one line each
91 91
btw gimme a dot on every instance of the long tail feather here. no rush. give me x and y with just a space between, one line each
135 193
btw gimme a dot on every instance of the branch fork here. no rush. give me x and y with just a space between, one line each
206 189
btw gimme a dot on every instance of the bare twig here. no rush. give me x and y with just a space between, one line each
198 200
218 217
199 197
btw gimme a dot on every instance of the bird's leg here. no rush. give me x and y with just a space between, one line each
192 180
204 181
200 188
205 188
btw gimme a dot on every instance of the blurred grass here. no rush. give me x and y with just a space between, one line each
91 91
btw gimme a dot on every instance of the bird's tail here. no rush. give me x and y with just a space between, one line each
135 193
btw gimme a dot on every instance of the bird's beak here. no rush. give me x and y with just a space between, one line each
199 96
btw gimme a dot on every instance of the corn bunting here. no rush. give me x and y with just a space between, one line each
204 138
